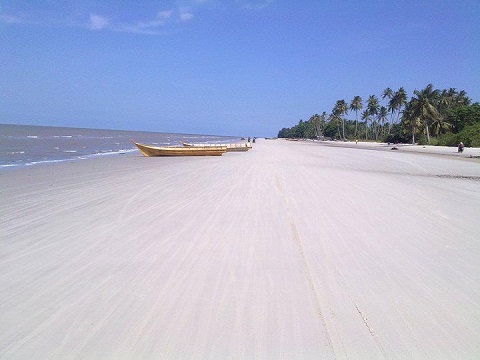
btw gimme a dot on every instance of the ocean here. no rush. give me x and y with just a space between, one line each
25 145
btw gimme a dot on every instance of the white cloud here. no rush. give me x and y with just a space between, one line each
11 19
187 16
165 14
98 22
182 11
161 18
256 4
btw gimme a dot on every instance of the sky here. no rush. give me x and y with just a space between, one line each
231 67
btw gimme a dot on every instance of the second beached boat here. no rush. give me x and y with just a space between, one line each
147 150
230 147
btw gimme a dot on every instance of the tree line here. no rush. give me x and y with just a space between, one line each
431 116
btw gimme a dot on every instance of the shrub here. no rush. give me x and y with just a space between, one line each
470 136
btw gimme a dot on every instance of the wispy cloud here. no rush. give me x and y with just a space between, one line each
255 4
180 11
98 22
9 19
186 16
160 20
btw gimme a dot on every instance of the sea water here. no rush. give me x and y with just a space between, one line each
25 145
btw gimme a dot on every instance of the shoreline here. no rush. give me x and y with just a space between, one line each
470 153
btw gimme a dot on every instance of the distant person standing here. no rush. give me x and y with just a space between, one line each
460 147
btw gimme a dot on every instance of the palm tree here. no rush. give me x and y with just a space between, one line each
382 116
387 93
396 103
372 108
462 99
401 100
372 105
323 118
335 121
439 125
356 105
410 119
425 106
315 121
451 98
339 110
366 116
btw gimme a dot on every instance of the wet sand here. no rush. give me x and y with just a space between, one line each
291 250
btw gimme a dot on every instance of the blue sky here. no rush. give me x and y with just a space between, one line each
232 67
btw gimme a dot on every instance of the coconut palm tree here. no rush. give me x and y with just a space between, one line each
339 110
372 107
387 93
439 126
462 99
410 119
382 117
323 118
356 105
401 100
366 117
396 103
315 121
335 120
424 106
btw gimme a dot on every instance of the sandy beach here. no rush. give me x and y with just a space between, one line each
293 250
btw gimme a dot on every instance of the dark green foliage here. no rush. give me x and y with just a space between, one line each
331 131
303 130
431 116
470 136
462 116
397 135
285 133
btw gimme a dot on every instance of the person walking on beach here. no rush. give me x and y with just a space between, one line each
460 147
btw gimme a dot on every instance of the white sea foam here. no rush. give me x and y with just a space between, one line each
45 162
116 152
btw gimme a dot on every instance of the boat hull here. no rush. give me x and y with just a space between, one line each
150 151
230 147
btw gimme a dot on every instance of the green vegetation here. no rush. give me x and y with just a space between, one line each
431 116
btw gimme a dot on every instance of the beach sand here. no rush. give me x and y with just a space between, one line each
293 250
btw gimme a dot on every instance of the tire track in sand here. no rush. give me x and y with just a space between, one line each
305 265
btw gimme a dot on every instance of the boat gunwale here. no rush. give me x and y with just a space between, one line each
150 151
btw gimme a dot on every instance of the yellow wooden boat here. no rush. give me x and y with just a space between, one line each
230 147
147 150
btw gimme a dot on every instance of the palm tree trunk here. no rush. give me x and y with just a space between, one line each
356 123
390 124
428 132
398 116
343 128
